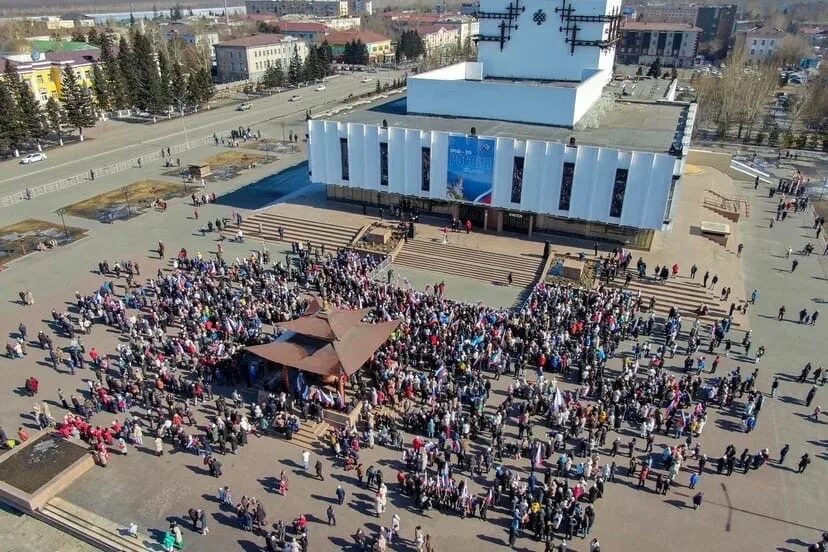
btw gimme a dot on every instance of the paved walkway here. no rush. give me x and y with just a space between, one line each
22 533
771 508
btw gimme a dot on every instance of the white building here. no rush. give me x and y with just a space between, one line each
515 140
439 37
760 44
317 8
248 58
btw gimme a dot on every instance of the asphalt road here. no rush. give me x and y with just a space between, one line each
115 141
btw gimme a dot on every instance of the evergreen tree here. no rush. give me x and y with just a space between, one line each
164 95
10 130
200 86
100 86
77 103
78 36
28 109
360 53
127 73
54 117
93 37
148 82
313 69
326 57
273 76
178 87
348 53
295 68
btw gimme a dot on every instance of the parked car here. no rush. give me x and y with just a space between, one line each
33 158
295 98
320 88
246 106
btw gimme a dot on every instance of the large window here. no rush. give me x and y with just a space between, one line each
383 163
566 186
618 191
670 196
425 185
517 179
343 153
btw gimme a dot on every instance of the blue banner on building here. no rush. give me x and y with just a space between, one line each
470 169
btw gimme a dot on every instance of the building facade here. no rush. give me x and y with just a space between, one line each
43 73
247 59
496 141
309 31
316 8
759 45
674 44
717 23
379 46
437 37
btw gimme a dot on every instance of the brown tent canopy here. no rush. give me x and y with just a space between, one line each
327 343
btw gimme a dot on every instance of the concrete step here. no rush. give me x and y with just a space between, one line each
463 269
92 528
455 252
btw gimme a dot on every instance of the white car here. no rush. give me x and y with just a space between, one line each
366 79
295 98
320 88
33 158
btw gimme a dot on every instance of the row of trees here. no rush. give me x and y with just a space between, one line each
410 46
24 122
140 76
317 65
356 53
736 103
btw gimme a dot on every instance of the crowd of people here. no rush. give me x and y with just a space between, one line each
184 331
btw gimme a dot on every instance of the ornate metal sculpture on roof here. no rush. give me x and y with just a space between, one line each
508 23
570 28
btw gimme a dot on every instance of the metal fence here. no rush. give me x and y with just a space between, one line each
106 170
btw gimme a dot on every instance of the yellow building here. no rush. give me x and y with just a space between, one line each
43 72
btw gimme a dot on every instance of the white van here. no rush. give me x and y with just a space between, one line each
244 107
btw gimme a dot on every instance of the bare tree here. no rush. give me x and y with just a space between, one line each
793 49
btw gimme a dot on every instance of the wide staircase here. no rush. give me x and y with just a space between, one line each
683 293
309 435
455 260
332 236
89 527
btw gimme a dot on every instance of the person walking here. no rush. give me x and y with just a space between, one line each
794 264
783 453
331 516
739 249
774 386
803 463
306 460
810 396
697 500
318 467
694 480
781 313
340 494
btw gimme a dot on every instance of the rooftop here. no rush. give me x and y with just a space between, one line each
367 37
256 40
302 27
657 26
628 125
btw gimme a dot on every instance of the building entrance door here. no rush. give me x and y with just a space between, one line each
476 214
516 222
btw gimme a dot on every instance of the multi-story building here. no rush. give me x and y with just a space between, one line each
668 14
44 72
309 31
673 44
439 37
499 142
361 7
247 59
467 26
190 35
469 8
717 23
760 44
379 46
317 8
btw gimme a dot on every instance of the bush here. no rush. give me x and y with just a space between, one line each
773 136
760 137
813 141
801 141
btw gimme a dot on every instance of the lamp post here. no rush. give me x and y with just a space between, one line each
126 196
183 123
60 212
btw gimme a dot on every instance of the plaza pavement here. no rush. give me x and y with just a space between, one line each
773 508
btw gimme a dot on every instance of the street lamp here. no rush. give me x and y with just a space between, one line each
183 123
126 196
60 212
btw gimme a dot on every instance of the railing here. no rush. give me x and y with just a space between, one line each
107 170
382 266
